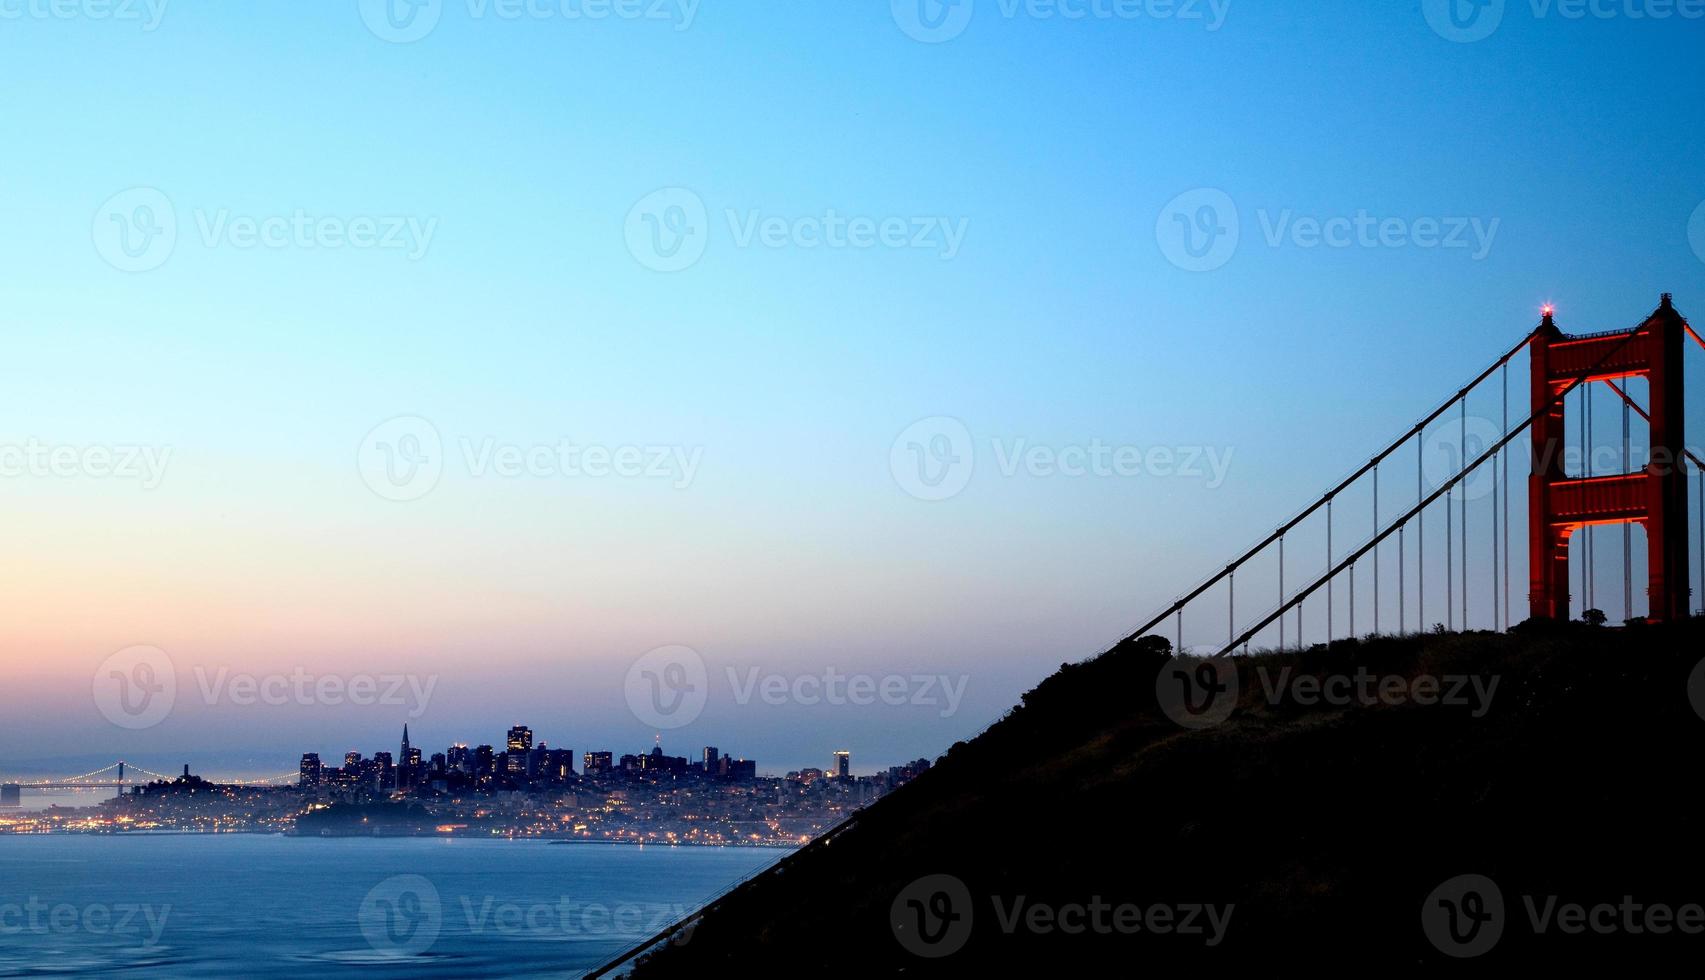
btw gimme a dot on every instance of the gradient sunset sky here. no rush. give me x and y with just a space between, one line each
1063 318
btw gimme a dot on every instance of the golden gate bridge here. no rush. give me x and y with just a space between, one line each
1571 492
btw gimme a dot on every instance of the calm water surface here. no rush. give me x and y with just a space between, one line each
264 906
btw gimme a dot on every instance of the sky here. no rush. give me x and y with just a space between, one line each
785 377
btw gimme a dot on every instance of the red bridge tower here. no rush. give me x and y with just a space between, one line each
1655 497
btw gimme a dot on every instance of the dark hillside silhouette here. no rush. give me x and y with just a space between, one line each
1327 828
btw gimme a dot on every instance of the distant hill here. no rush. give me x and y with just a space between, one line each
1326 828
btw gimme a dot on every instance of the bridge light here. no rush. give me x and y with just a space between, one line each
1547 309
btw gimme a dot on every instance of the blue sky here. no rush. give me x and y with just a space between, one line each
1053 146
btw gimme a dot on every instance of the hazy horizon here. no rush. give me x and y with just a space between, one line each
498 357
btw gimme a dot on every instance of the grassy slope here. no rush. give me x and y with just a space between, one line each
1326 827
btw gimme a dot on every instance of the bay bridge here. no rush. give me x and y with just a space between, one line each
116 776
1421 535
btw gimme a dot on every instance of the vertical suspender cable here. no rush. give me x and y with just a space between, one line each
1450 561
1376 550
1402 594
1329 571
1281 590
1509 614
1586 547
1352 633
1465 514
1497 485
1420 536
1627 534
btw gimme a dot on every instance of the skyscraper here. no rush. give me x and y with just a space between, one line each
710 755
309 774
842 767
404 762
520 739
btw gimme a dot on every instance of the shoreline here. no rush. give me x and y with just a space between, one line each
781 845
